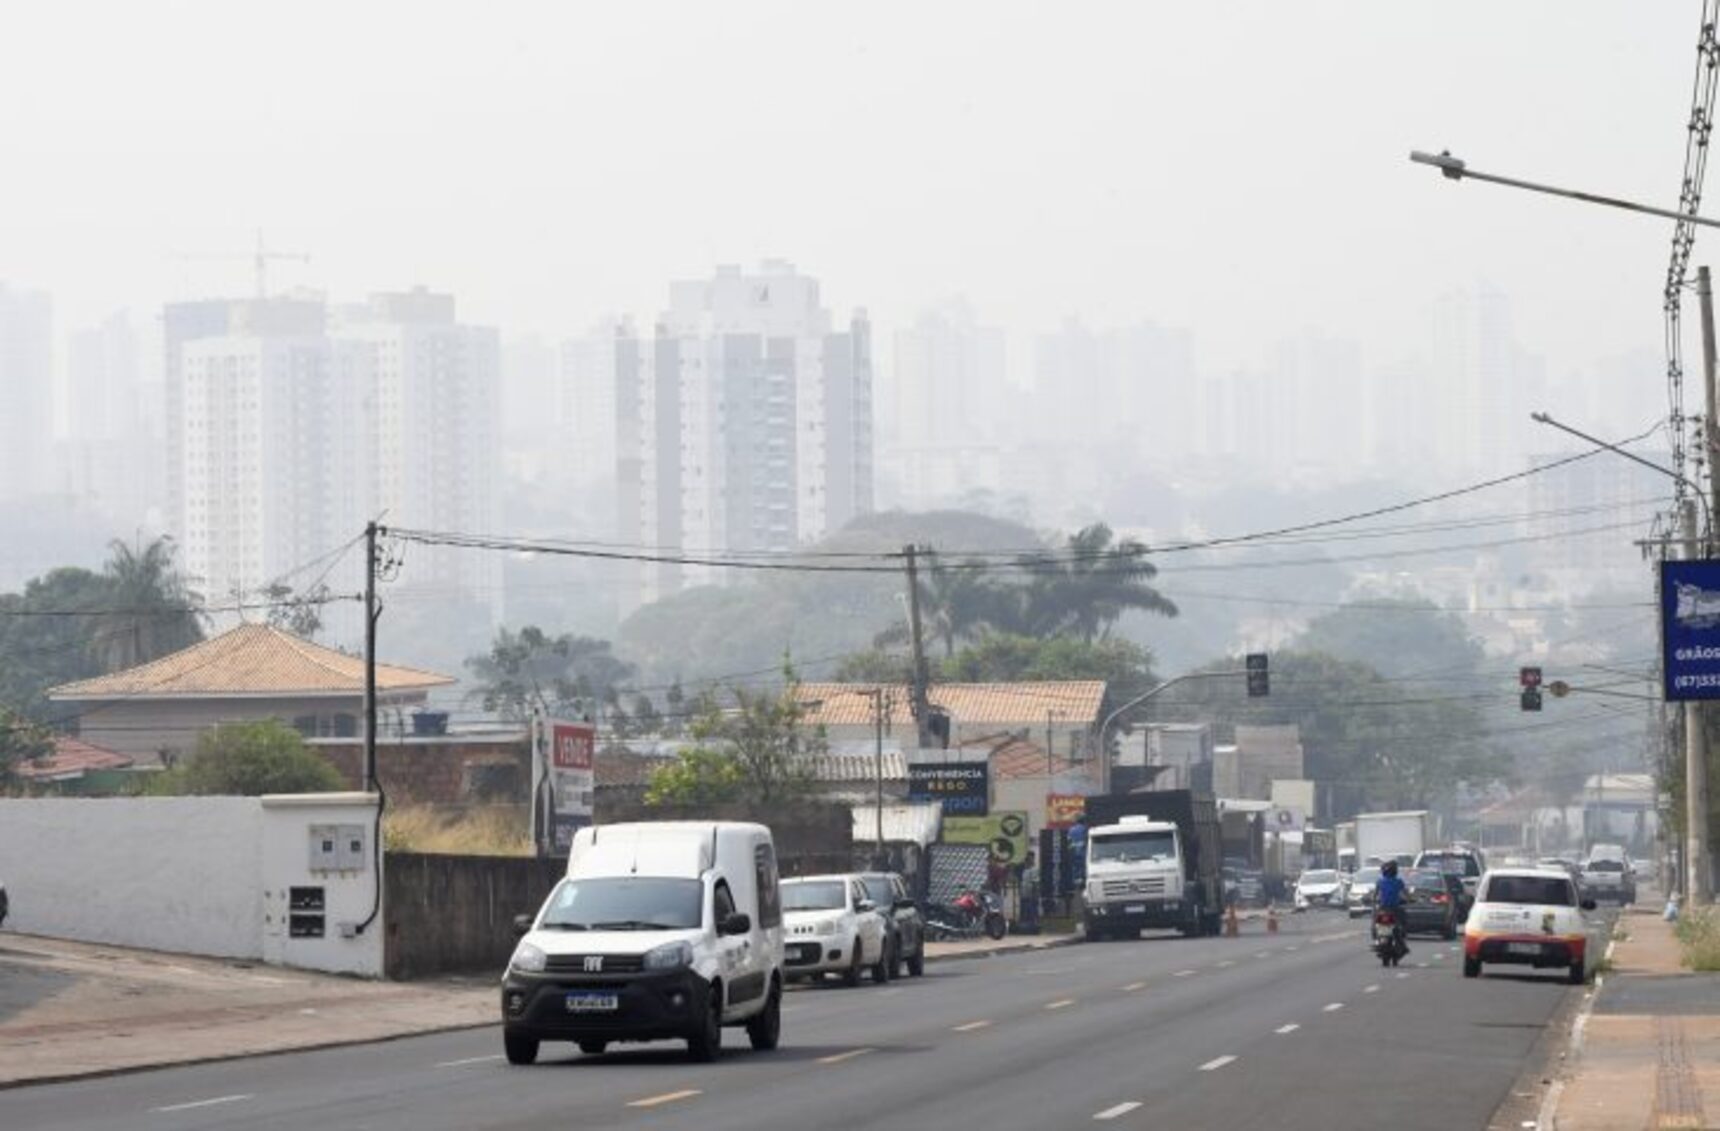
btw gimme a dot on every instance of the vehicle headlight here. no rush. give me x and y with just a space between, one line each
827 928
669 956
527 959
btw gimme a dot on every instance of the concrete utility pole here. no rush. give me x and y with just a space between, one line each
1700 883
922 713
370 657
881 860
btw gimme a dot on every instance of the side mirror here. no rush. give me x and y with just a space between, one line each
737 923
1587 905
523 924
865 905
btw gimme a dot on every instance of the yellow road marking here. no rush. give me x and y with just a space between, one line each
666 1098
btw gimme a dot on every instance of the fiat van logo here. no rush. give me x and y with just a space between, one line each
594 964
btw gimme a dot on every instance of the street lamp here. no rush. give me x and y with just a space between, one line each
1695 490
1104 751
1454 169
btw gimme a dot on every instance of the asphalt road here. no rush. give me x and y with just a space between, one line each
1302 1028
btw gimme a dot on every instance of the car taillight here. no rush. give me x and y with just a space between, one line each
1442 899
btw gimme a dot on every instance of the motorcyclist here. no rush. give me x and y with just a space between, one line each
1390 892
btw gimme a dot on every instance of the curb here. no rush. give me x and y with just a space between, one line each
1004 948
1547 1116
216 1058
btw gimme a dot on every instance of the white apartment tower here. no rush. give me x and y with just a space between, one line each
26 391
744 424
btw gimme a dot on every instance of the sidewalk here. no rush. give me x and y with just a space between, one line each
76 1009
1648 1055
988 948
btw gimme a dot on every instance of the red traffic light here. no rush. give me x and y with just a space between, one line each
1529 677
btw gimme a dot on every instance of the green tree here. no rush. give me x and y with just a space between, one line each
957 602
1395 638
564 674
249 759
21 741
1086 587
297 613
41 646
758 750
152 610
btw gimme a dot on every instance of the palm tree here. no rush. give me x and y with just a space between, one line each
150 609
956 602
1087 589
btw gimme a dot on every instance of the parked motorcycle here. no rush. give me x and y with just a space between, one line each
968 916
1388 937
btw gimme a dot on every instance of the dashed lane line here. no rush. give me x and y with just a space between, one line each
1290 1028
1216 1063
1373 989
1133 986
1060 1003
469 1060
1333 1007
838 1058
1263 954
206 1103
1226 963
1183 973
1119 1110
971 1027
1402 974
666 1098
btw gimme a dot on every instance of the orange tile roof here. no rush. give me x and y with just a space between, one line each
969 704
1014 757
72 758
248 661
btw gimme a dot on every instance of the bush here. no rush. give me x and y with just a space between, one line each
247 760
494 830
1699 934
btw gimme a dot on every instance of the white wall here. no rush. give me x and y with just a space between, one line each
195 875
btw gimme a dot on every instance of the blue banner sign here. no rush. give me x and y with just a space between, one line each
1690 629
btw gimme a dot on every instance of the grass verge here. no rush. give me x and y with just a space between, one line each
1699 935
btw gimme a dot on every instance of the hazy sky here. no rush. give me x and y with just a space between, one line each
1239 168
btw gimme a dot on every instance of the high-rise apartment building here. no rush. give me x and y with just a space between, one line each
26 391
743 424
111 452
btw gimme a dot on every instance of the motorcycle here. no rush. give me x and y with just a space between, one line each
968 916
1388 937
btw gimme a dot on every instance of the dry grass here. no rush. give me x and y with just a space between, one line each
1699 934
490 830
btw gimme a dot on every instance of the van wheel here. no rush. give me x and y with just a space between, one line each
765 1030
704 1044
886 966
1472 968
520 1050
593 1048
917 961
851 976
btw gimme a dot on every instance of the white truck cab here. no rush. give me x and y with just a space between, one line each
659 931
1134 877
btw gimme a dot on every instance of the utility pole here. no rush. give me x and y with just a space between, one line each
919 691
370 657
878 701
1699 883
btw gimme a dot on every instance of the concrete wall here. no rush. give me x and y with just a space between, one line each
196 875
455 914
145 727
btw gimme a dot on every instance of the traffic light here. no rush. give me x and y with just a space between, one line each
1531 698
1259 679
1529 677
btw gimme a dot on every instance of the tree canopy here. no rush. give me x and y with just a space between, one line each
248 760
563 674
758 750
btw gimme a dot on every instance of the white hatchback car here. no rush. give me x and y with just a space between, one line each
832 927
1529 917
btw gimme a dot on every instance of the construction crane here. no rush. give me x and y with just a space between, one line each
259 260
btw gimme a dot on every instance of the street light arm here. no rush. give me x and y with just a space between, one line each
1701 495
1456 170
1142 698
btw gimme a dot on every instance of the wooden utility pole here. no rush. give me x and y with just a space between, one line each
922 679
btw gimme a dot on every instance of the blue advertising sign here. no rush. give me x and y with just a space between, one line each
1690 629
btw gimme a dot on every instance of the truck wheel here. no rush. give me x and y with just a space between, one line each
520 1050
704 1044
1094 932
1471 967
765 1030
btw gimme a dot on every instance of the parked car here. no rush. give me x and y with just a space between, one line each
1319 887
903 921
1359 892
1530 917
1461 860
1434 897
1609 878
833 927
661 930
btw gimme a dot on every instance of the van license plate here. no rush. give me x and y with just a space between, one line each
1523 948
1135 909
593 1003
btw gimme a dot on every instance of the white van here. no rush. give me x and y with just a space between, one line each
660 931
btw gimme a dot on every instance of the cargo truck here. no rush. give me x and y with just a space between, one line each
1397 836
1153 861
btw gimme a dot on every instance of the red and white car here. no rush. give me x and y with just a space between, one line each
1530 917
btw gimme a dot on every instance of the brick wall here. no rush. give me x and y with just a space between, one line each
439 771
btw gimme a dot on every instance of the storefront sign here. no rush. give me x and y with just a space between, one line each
1005 834
964 788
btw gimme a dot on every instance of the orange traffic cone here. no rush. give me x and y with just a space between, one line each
1230 925
1271 919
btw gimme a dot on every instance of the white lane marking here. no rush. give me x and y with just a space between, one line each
1182 973
1373 989
838 1058
1060 1003
1225 963
666 1098
1291 949
1403 973
1262 954
1333 1008
1114 1112
1438 955
1421 966
469 1060
970 1026
887 993
1290 1028
1216 1063
206 1103
1133 986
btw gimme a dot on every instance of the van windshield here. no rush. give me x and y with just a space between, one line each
1126 847
625 903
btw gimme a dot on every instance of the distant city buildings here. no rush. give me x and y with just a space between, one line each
26 391
744 423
